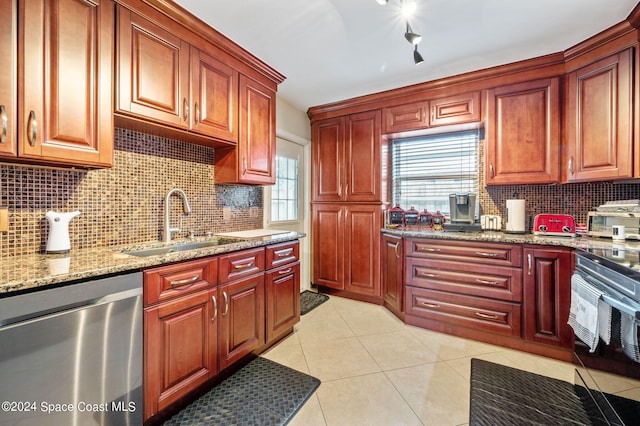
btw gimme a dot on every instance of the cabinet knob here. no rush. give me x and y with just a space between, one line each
4 119
32 128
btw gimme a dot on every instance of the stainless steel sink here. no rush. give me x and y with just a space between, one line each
180 246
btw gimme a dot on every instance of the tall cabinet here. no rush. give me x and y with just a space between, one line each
347 204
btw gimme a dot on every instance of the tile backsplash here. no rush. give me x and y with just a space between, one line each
124 204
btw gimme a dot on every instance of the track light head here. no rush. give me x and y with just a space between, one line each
412 37
382 2
417 57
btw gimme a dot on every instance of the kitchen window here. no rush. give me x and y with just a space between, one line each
425 170
284 194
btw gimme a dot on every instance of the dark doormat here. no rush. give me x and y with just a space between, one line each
507 396
310 300
262 392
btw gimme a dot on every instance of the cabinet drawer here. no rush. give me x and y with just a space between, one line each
281 254
465 251
468 311
496 282
240 264
172 281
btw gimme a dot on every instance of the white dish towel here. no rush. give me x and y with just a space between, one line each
586 316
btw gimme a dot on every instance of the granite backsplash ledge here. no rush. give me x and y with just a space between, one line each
124 204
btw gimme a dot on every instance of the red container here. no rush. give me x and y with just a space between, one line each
438 221
425 220
411 217
396 215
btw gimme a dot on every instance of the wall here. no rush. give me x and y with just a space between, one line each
124 204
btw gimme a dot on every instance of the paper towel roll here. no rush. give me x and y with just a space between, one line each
515 216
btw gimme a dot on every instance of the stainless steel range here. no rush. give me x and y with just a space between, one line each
606 291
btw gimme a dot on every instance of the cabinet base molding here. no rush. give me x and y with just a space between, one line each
562 354
377 300
394 310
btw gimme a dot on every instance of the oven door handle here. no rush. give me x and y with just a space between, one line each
616 299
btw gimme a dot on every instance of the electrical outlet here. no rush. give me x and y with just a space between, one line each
4 219
226 214
254 212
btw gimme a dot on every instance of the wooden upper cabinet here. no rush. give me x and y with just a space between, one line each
523 133
327 159
599 121
347 158
153 69
455 109
65 57
405 117
214 96
362 156
8 87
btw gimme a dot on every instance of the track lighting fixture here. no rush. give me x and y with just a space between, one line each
407 9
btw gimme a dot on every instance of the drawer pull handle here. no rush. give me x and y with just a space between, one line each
185 281
215 309
428 275
226 303
486 316
284 253
485 254
429 305
285 271
430 250
5 120
481 281
244 265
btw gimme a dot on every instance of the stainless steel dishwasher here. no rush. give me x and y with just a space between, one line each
72 355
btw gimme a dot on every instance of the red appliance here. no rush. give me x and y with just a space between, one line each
561 225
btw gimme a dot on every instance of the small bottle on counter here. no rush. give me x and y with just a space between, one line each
438 221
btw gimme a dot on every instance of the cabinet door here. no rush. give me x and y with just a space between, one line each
362 156
8 95
327 170
257 146
599 124
523 133
547 296
362 249
282 300
328 245
214 97
241 319
391 263
457 109
66 67
179 348
153 69
401 118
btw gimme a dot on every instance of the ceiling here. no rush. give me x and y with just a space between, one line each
331 50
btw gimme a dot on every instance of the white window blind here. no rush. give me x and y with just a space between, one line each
425 170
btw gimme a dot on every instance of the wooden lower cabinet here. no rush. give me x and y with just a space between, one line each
241 319
346 248
179 348
547 295
391 259
282 298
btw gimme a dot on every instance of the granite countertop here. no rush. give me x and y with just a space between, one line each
29 272
503 237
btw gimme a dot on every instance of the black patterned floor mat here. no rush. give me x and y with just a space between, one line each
261 393
310 300
502 395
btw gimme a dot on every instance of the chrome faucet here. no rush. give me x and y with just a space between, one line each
186 207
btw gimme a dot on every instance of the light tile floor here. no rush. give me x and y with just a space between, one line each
375 370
